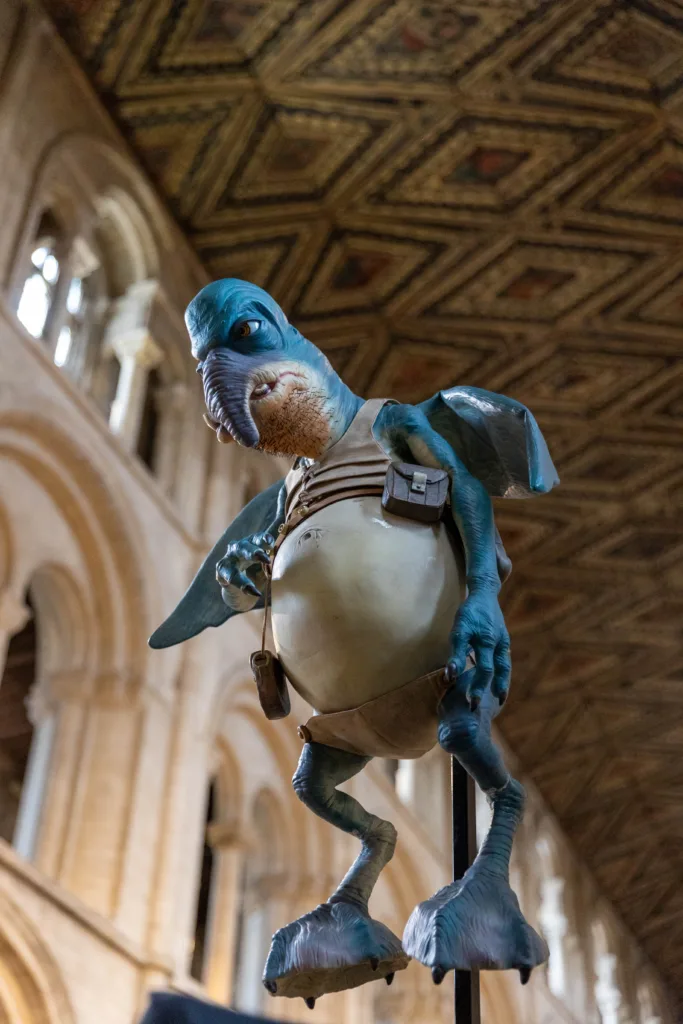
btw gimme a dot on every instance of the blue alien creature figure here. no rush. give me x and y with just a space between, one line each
380 563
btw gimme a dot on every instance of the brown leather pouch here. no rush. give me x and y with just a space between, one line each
269 675
271 683
415 492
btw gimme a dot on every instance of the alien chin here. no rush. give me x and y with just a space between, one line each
290 417
286 416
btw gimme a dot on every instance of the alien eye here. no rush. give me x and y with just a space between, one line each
248 327
199 367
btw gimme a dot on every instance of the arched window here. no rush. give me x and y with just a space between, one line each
37 299
16 729
61 295
86 300
86 285
201 924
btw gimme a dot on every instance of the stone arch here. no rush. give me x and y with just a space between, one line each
121 606
228 775
75 159
65 620
268 825
128 243
31 984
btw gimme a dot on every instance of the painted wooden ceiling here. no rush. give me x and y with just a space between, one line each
487 193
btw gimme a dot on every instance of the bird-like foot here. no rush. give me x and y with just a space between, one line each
335 947
474 924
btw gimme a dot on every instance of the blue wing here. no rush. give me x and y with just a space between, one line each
202 604
496 438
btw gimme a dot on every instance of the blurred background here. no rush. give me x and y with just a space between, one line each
486 192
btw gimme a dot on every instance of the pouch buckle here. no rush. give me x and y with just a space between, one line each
419 482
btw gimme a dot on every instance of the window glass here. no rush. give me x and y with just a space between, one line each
38 293
34 304
63 346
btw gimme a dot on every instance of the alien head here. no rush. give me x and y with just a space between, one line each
265 385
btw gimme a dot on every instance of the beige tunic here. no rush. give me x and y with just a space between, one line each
363 603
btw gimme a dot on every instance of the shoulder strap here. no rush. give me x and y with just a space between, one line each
361 426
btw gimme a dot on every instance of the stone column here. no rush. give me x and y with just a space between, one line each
171 404
101 738
14 614
138 353
229 845
128 335
64 694
41 712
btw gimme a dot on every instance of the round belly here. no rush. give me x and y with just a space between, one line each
362 602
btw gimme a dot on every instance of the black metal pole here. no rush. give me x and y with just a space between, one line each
467 1003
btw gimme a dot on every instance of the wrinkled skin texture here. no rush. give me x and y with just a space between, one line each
267 387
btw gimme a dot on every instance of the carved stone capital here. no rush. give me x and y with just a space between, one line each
228 835
109 688
14 613
40 704
137 344
68 684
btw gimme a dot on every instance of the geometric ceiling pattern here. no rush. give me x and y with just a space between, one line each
487 193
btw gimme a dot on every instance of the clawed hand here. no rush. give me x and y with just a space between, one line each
241 572
479 625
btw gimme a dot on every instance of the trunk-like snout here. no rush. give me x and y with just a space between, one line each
226 376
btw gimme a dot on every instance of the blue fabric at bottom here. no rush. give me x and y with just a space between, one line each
166 1008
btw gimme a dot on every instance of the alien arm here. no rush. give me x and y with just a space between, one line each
241 571
479 622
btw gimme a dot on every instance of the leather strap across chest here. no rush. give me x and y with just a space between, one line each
355 466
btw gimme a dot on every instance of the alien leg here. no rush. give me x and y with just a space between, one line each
476 923
338 945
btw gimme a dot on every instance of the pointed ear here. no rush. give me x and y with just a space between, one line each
202 604
497 439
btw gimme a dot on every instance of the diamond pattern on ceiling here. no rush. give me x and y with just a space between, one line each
489 193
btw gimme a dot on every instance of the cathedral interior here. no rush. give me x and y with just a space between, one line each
486 193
